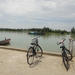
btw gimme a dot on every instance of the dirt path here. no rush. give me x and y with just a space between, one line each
14 63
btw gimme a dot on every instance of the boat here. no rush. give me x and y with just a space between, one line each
36 33
5 42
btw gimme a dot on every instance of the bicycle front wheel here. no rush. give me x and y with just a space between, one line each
66 63
69 54
30 56
39 51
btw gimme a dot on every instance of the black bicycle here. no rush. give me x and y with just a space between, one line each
66 54
34 50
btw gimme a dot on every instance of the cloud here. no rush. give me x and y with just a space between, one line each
37 11
58 8
17 7
55 8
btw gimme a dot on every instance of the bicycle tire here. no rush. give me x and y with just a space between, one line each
39 51
66 63
69 54
30 56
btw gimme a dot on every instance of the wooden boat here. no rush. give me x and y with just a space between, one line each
36 33
5 42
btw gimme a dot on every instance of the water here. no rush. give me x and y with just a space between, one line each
47 42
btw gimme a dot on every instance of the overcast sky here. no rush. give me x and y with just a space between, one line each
36 13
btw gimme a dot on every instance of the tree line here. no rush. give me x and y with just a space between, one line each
45 30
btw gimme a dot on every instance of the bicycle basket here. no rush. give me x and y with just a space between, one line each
35 41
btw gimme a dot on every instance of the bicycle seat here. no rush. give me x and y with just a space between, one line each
62 46
33 44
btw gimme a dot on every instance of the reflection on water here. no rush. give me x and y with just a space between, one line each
47 42
73 36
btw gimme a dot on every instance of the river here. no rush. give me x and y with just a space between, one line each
48 42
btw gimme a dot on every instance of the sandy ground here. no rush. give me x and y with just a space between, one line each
14 63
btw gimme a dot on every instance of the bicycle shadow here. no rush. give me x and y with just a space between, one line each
36 62
72 65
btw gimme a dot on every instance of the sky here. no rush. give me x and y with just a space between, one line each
37 13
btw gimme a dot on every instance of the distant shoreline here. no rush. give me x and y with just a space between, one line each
45 30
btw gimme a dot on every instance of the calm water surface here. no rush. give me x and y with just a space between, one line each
47 42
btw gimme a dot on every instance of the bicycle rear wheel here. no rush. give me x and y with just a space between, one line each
30 56
39 51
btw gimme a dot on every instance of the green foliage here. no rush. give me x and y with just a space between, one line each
73 30
45 29
8 29
41 30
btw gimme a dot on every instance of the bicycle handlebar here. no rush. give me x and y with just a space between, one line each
61 42
36 37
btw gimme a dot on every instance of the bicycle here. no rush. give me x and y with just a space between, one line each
66 54
71 42
34 50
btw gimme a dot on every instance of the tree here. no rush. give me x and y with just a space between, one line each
73 30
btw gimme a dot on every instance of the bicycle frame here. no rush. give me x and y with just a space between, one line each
34 45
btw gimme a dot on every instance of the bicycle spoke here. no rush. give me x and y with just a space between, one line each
39 51
30 56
